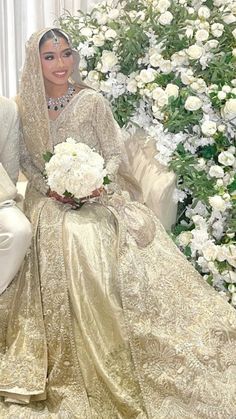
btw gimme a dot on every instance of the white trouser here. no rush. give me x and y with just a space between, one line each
15 238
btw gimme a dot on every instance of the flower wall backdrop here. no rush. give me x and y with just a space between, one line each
169 67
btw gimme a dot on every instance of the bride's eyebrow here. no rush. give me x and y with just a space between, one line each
53 52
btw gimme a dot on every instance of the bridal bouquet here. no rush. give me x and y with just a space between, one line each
75 172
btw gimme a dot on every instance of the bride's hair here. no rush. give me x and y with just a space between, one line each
53 33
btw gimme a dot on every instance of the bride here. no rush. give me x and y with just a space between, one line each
109 319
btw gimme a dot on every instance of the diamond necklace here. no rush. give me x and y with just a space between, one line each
58 103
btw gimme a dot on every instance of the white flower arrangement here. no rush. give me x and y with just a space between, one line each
74 170
169 67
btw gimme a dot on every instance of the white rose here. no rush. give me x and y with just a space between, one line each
165 66
165 18
110 34
226 88
157 112
109 60
221 95
213 43
209 128
102 18
229 19
217 29
194 52
93 75
190 10
216 171
160 96
193 103
217 203
209 251
113 14
172 90
132 86
98 40
229 110
226 158
204 12
179 58
162 6
147 76
184 238
86 32
155 59
187 77
199 86
201 35
234 33
231 255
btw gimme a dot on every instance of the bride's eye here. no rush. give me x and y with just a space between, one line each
68 54
48 57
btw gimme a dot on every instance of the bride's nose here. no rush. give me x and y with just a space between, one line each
60 62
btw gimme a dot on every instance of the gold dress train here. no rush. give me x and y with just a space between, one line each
107 319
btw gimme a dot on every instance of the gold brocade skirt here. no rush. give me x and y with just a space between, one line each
108 320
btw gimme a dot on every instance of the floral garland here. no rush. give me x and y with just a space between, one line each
169 67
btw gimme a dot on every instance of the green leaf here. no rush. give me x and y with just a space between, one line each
106 180
47 156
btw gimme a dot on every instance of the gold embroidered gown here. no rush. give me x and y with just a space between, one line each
107 319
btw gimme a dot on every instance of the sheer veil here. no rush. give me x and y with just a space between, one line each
32 101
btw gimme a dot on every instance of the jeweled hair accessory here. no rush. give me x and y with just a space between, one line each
55 39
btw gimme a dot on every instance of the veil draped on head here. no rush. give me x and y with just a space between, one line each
32 99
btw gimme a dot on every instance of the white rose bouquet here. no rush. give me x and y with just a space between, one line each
75 172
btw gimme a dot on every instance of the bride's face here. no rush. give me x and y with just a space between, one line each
57 61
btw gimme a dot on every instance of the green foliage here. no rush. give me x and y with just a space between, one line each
47 156
123 108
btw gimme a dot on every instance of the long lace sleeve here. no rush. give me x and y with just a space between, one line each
109 135
29 169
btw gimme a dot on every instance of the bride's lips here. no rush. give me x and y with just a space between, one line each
60 74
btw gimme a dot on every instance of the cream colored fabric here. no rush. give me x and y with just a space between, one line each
15 238
15 230
9 137
7 188
109 319
156 181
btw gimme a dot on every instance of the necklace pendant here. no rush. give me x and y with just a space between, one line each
57 104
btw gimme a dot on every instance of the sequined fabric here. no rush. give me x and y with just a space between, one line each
108 320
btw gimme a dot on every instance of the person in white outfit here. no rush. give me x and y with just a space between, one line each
15 229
